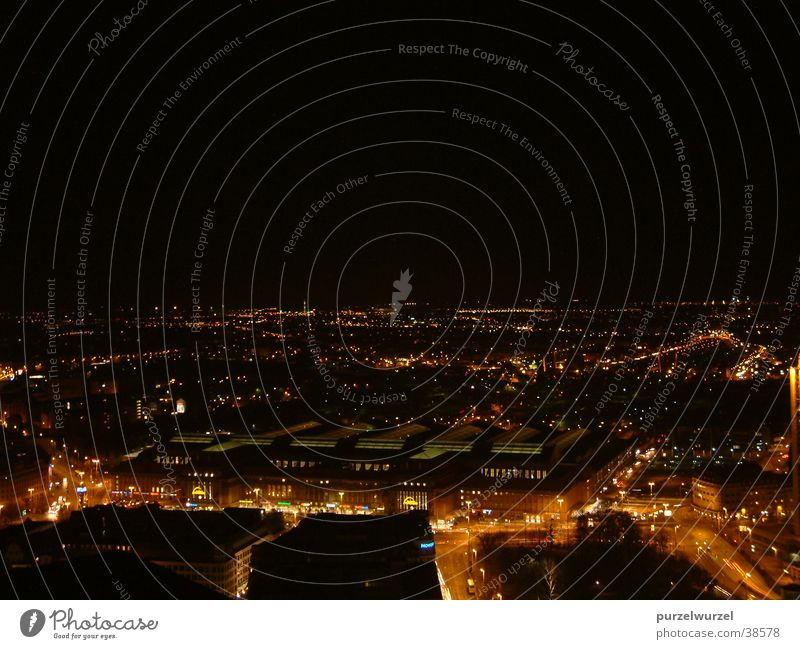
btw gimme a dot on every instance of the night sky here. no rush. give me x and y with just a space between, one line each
248 114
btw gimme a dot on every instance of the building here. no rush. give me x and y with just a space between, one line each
24 477
212 549
310 468
741 491
332 556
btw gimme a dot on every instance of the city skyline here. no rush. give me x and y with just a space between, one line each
370 302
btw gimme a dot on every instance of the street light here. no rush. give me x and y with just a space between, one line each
652 484
469 504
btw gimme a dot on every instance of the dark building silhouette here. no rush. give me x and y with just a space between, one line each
331 556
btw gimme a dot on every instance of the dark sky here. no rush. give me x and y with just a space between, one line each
308 98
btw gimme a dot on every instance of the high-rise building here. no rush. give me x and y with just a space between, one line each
794 455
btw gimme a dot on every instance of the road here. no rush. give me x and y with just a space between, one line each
74 475
452 554
452 561
731 568
693 538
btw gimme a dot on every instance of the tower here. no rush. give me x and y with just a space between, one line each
794 454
